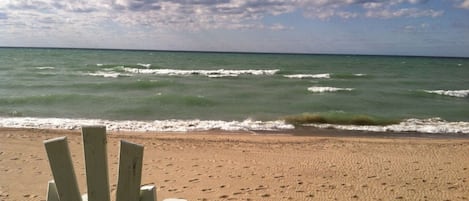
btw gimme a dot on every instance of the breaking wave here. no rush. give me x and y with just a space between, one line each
431 125
453 93
144 126
45 68
114 71
316 89
315 76
109 74
325 76
209 73
144 65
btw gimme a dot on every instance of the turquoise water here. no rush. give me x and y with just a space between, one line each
132 85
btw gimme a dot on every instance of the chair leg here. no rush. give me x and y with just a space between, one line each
52 194
148 193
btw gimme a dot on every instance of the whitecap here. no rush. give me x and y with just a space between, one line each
108 74
144 65
99 64
45 68
431 125
359 74
454 93
303 76
220 76
209 73
316 89
156 126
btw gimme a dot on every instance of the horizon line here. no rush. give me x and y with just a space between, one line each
231 52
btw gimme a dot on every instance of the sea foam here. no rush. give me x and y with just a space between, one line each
454 93
360 74
316 89
303 76
144 126
45 68
208 73
109 74
431 125
144 65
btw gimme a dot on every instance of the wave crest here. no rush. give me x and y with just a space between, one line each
315 89
45 68
303 76
109 74
209 73
453 93
144 126
431 125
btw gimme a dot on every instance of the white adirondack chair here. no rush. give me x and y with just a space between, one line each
64 187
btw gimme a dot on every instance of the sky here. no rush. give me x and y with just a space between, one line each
393 27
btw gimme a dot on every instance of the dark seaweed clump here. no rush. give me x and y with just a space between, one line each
338 118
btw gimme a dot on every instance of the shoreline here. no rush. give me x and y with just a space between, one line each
432 127
220 165
299 132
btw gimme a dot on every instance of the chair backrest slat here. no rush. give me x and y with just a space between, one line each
62 169
130 171
64 187
97 177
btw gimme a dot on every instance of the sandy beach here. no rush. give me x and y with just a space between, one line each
248 166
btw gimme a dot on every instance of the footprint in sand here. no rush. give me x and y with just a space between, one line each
278 177
224 196
260 187
265 195
194 180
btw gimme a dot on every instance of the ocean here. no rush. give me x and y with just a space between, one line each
181 91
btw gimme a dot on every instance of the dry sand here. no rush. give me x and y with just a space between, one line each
228 166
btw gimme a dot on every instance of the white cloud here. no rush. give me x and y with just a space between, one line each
207 24
373 5
464 4
420 28
403 12
195 14
348 9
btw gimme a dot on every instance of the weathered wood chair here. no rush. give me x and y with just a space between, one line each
64 187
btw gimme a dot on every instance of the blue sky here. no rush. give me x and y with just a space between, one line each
395 27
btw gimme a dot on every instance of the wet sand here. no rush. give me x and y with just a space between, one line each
321 165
